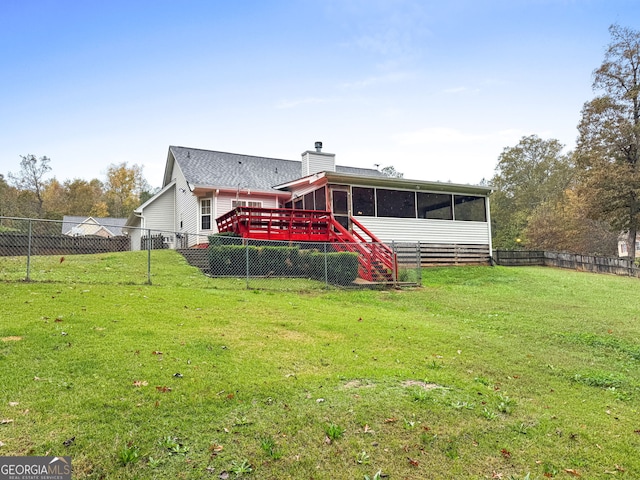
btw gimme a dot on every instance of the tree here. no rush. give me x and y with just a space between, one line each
83 196
31 178
9 204
123 188
391 171
533 173
54 201
608 147
563 225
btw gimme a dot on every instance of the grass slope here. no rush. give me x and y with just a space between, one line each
482 373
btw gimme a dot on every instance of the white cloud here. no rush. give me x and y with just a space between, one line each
300 102
455 90
377 80
443 135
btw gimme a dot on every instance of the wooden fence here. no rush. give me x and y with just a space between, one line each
589 263
17 244
433 254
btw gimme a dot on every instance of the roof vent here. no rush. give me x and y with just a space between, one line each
318 146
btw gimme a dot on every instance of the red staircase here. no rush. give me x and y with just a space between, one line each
377 262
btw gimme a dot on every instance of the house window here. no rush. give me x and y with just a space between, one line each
308 201
320 197
469 208
363 201
436 206
396 203
205 214
245 203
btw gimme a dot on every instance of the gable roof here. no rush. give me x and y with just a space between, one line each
232 170
112 224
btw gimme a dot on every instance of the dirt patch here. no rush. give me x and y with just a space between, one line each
11 339
424 385
358 384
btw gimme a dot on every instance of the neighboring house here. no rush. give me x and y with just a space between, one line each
623 247
201 185
106 227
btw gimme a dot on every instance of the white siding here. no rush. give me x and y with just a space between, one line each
224 202
134 234
429 231
313 162
186 207
160 215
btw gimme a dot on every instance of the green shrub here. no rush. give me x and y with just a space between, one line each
224 238
230 260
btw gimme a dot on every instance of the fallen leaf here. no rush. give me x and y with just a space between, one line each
495 474
223 475
163 389
13 404
1 444
367 429
69 442
390 420
413 462
61 259
619 468
4 421
573 472
156 352
140 383
360 319
505 453
214 447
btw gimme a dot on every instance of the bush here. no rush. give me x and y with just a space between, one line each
224 238
230 260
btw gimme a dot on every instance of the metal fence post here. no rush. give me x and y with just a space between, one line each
394 264
418 265
149 257
326 268
28 279
247 262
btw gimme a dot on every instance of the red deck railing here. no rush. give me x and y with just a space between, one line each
377 262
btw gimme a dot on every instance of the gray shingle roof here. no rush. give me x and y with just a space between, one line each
112 223
232 170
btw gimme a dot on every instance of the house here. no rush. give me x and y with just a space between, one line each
623 245
105 227
200 186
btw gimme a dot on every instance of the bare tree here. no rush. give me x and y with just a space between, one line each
31 177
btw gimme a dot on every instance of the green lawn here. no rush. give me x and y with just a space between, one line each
482 373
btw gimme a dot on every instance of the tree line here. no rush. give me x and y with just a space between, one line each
30 193
580 201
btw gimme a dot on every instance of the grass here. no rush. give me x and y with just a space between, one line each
519 372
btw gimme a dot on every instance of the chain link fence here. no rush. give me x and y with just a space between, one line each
48 250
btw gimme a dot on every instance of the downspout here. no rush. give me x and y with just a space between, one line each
488 209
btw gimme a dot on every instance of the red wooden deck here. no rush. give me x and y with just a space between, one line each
377 261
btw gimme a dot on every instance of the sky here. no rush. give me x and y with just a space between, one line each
435 88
